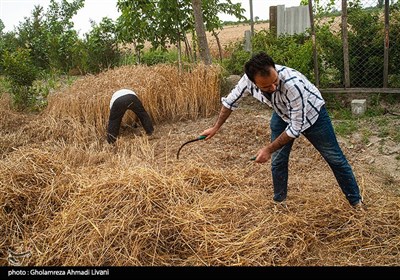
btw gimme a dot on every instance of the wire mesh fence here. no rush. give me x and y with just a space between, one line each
357 43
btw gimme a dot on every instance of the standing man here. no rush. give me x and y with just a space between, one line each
121 101
298 109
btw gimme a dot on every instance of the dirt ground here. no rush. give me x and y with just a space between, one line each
381 153
247 129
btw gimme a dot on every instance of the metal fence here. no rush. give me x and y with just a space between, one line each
356 44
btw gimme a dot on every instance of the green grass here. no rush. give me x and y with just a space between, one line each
342 114
375 121
4 85
366 134
345 127
343 121
396 134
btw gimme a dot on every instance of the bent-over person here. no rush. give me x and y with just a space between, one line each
121 101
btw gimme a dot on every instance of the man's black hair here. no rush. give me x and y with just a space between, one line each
260 63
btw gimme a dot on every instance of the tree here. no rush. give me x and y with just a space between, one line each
50 36
20 71
166 22
1 27
33 34
211 9
135 23
101 46
61 35
201 33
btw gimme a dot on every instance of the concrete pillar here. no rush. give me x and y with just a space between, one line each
290 20
358 106
280 19
304 21
247 42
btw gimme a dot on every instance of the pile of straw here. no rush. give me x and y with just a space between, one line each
166 93
70 199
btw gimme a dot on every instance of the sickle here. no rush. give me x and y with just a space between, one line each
201 137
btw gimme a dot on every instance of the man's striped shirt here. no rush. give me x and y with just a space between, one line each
296 100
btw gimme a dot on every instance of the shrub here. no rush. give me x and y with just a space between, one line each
101 47
154 57
293 51
235 63
21 72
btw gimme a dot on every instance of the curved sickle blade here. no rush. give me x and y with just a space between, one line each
190 141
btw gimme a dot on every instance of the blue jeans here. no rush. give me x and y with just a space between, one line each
322 136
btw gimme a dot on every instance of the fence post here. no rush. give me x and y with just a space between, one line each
386 47
345 45
247 41
315 55
273 20
251 18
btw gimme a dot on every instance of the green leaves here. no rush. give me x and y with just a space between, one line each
166 22
19 67
20 72
101 47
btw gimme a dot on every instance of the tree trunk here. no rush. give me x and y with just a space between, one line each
188 49
219 45
201 32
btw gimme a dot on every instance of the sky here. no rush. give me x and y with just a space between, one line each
13 12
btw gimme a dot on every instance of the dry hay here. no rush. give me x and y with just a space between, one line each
166 93
11 126
71 199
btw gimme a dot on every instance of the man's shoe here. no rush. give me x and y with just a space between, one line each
279 205
360 206
276 202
